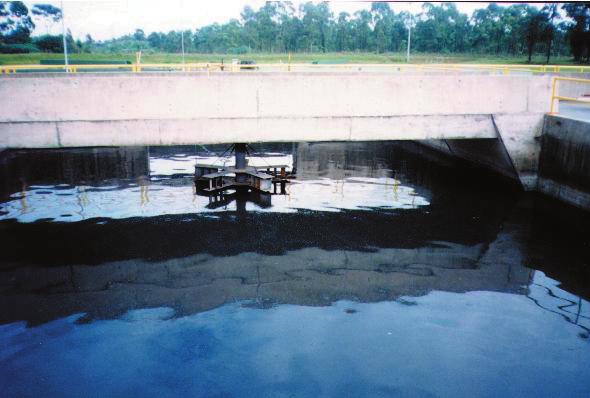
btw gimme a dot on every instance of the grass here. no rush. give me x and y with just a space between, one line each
348 57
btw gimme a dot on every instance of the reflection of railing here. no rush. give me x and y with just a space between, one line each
545 293
563 310
295 67
556 96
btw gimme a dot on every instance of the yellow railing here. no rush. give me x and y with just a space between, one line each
555 95
288 66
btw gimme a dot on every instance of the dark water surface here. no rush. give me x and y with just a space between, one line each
386 271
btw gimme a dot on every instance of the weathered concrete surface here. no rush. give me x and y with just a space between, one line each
227 130
173 109
521 136
96 97
162 109
564 169
488 153
513 153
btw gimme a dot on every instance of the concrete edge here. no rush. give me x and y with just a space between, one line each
51 134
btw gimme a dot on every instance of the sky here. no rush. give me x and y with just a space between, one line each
105 19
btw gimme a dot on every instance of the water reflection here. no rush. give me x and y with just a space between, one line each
381 256
156 182
481 344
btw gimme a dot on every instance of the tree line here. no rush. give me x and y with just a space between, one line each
518 30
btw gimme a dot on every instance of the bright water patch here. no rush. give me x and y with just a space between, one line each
169 189
480 344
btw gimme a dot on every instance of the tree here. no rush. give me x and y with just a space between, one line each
49 43
172 42
513 28
290 27
250 30
579 34
518 29
155 40
15 23
47 13
533 29
71 43
316 24
383 21
343 32
88 44
139 35
550 13
442 29
266 26
362 30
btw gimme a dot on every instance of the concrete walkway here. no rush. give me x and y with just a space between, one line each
575 110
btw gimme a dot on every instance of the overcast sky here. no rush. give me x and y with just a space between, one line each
104 19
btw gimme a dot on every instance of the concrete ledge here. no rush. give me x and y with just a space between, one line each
29 135
564 193
49 134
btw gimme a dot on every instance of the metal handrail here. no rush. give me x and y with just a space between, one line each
558 97
215 66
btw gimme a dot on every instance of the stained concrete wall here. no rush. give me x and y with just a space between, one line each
562 170
50 110
487 153
513 152
564 167
161 109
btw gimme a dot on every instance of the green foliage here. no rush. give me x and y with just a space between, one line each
49 43
15 23
239 50
18 48
579 33
299 57
517 30
47 11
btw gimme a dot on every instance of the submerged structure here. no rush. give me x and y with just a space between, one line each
219 181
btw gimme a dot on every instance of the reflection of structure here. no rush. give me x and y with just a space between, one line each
70 166
308 276
223 199
144 189
214 180
305 276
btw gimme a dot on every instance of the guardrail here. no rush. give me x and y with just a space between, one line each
555 95
288 67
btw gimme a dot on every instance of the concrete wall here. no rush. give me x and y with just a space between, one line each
513 152
162 109
173 108
564 167
487 153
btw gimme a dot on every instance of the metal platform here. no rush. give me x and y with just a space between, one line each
211 179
